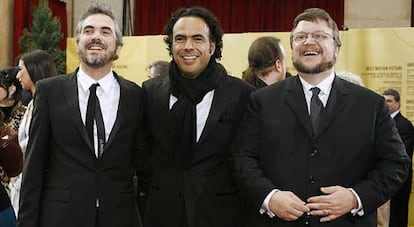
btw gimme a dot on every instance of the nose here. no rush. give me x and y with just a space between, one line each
188 44
309 38
96 35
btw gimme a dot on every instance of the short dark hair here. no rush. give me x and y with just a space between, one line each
393 93
312 14
161 67
216 32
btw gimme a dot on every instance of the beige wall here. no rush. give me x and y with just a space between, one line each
377 13
6 29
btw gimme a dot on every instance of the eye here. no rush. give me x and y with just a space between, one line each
179 39
106 31
300 37
88 31
199 39
319 36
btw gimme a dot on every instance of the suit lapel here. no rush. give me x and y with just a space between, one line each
70 88
218 106
163 94
336 102
295 99
123 99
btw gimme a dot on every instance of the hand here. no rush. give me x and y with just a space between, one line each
287 206
337 202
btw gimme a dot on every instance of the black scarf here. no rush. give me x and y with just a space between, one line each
189 92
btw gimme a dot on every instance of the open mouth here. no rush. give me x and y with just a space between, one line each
310 53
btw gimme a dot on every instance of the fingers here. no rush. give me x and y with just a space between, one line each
287 206
335 202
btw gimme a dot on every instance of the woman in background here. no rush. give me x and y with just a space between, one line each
10 104
33 66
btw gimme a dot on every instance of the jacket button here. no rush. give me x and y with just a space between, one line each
312 179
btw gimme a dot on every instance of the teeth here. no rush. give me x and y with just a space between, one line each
310 53
189 57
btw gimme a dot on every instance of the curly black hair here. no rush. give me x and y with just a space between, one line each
8 78
216 32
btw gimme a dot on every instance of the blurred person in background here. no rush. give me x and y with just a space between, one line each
157 68
267 63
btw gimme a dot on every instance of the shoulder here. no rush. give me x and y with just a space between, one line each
357 91
237 83
155 82
54 80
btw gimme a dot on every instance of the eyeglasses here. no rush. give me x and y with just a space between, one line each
319 36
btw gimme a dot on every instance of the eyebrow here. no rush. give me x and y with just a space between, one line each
104 27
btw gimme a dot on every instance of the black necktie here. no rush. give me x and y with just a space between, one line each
316 107
93 112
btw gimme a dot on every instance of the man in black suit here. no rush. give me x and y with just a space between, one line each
191 117
308 159
69 179
399 202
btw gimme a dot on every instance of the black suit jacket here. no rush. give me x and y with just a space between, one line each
399 202
202 190
62 177
356 146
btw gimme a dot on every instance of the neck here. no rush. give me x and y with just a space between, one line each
96 73
315 79
271 77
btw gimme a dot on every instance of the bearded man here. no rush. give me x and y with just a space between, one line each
314 149
82 151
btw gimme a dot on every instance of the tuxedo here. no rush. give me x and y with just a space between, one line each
199 191
356 145
63 179
399 202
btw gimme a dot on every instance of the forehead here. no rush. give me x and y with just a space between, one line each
99 21
389 97
311 26
191 26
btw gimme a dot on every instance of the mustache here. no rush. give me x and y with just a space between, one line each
96 43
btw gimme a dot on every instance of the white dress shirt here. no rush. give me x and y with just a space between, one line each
108 93
202 111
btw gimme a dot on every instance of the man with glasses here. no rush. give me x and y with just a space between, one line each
316 150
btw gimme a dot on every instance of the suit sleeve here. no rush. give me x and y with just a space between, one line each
391 169
253 184
144 164
406 132
35 164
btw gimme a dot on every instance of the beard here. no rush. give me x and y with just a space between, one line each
321 67
97 60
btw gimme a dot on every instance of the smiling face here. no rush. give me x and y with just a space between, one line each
97 41
312 56
191 46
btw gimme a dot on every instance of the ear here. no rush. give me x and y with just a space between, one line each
278 65
212 48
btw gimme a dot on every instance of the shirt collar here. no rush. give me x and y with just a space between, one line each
325 85
393 114
86 81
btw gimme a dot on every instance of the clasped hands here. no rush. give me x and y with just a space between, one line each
335 202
